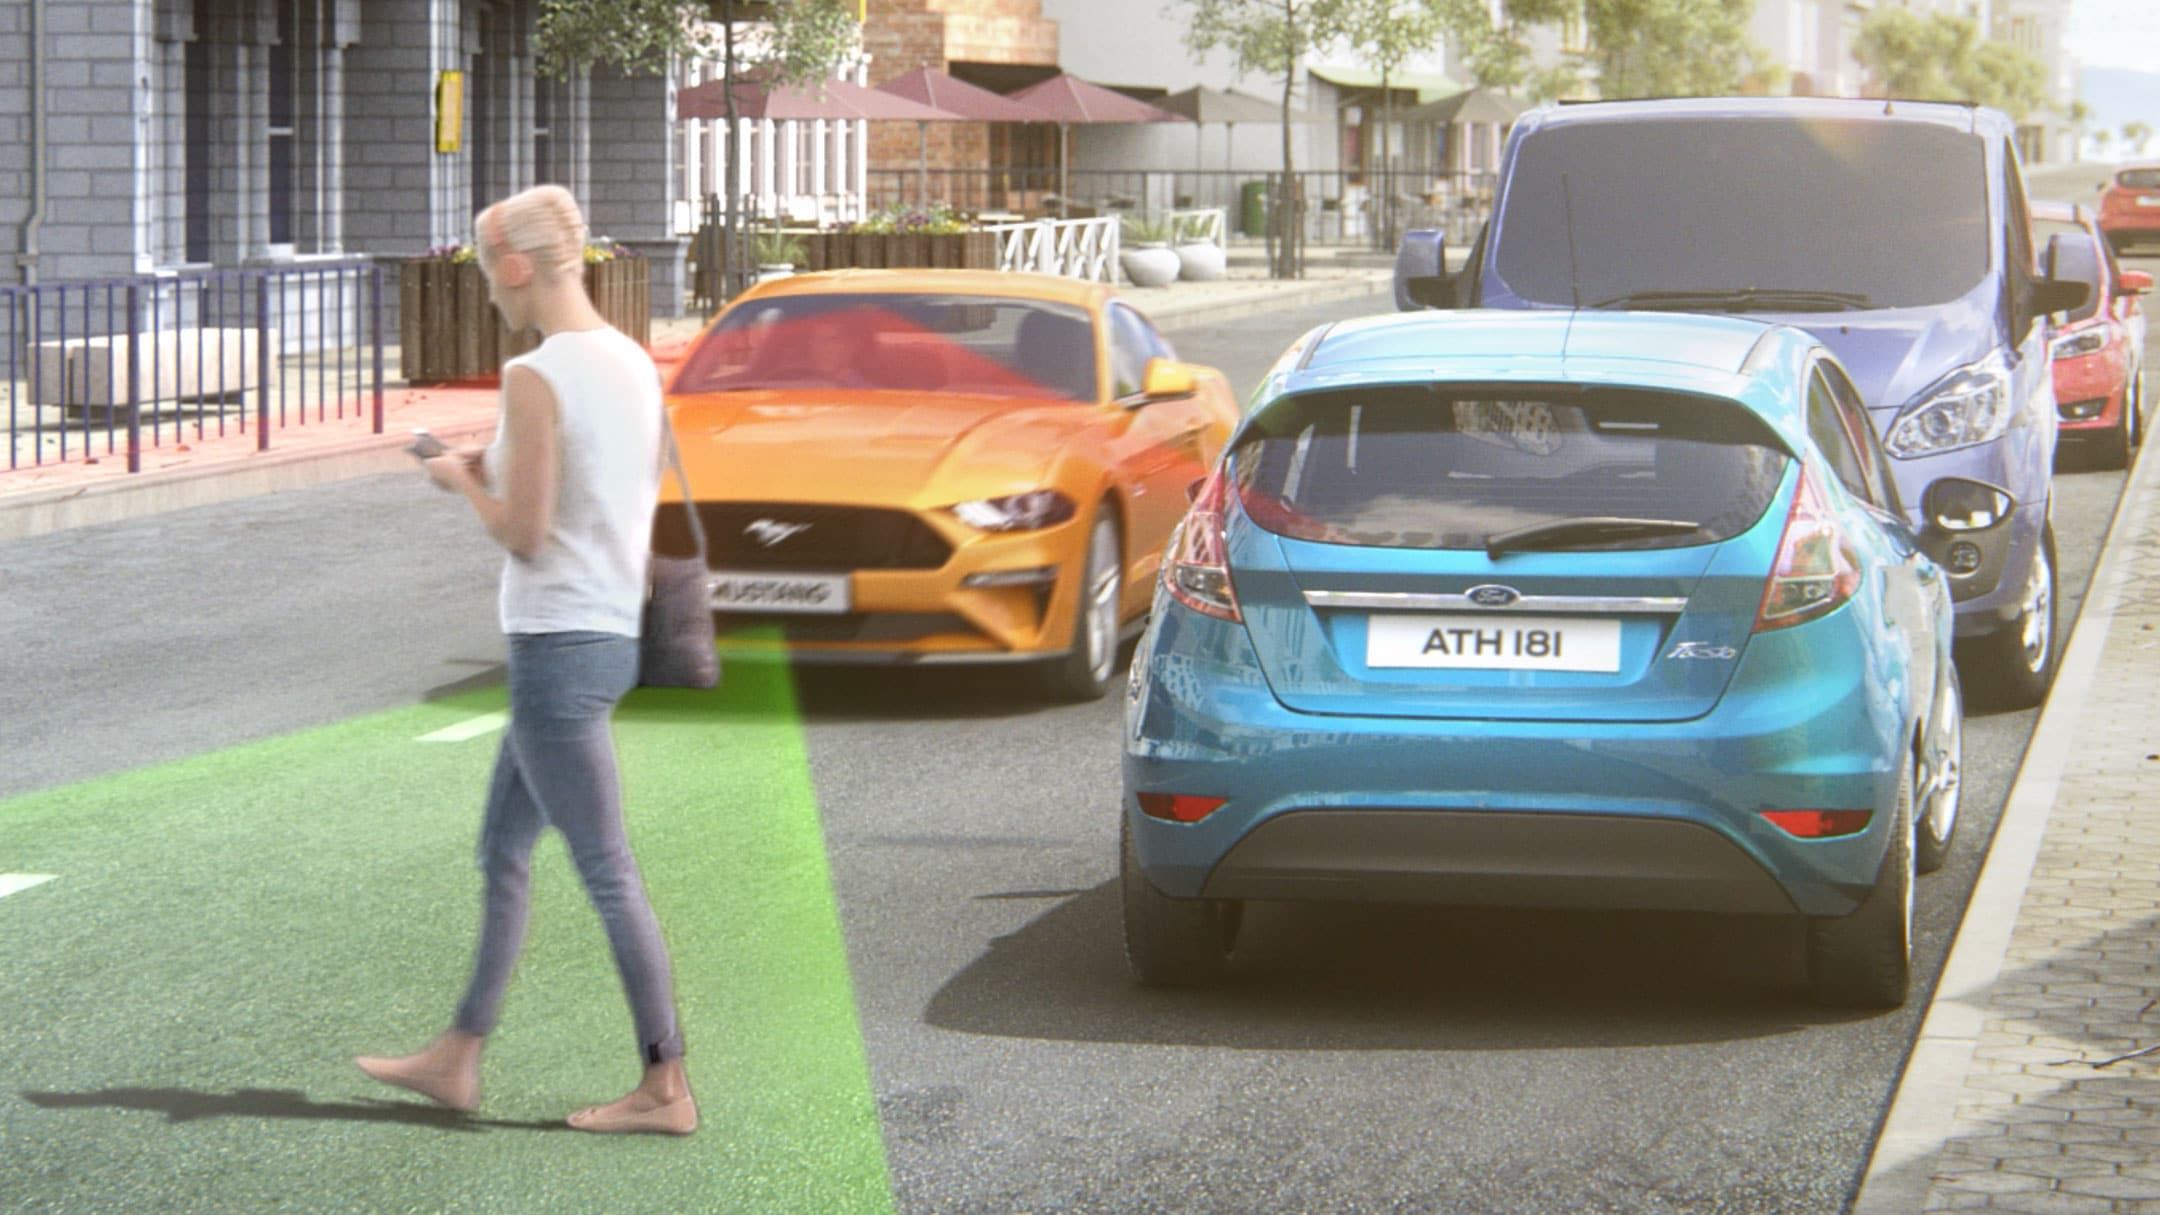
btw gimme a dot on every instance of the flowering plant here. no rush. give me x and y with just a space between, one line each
601 250
938 219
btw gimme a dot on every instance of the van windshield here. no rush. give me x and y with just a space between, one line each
1781 214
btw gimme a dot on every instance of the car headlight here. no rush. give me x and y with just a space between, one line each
1016 512
2084 341
1969 407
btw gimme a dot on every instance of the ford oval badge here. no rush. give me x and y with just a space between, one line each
1492 596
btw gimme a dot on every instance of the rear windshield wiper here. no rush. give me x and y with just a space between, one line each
1739 299
1559 533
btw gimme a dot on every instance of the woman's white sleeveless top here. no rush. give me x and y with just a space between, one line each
590 574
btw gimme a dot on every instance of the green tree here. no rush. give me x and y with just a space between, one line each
1387 33
803 42
2077 114
1650 48
1274 37
1940 57
2100 140
2134 135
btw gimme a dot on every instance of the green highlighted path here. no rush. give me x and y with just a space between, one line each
179 1006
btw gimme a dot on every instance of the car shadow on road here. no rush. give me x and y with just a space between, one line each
769 690
189 1105
1339 977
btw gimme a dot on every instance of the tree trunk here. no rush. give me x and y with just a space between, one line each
731 260
1385 212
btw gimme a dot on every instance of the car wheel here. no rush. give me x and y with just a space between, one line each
2014 667
1172 942
1864 960
1085 670
1938 810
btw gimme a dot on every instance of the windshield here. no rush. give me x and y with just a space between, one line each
2139 179
912 343
1894 214
1416 467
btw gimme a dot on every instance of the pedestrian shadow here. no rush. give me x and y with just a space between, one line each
1371 977
189 1105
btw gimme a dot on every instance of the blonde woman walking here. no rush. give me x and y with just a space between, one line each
568 487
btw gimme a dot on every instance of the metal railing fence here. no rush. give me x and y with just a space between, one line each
143 360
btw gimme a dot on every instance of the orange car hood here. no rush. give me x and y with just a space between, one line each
871 447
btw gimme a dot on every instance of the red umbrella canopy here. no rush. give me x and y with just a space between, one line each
828 99
959 98
1069 99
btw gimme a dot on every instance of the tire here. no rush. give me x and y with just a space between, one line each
2013 668
1936 813
1864 960
1172 942
1085 672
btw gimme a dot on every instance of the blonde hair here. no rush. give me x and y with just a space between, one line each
544 223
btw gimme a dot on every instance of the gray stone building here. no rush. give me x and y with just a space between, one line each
146 136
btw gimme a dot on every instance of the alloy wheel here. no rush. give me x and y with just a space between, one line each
1104 586
2037 622
1946 766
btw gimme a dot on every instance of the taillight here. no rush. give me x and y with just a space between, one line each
1820 824
1179 807
1196 571
1815 570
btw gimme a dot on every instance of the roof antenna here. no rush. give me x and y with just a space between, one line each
1567 200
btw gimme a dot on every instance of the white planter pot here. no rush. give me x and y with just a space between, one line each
1200 261
773 270
1149 265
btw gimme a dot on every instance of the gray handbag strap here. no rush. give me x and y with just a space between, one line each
697 526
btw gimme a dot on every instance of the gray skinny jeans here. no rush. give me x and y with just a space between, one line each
556 769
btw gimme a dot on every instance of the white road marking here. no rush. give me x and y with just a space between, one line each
13 883
474 727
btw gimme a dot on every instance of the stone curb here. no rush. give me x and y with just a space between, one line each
1923 1109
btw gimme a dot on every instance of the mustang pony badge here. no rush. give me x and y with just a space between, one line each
772 532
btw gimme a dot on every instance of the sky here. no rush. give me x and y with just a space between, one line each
2115 33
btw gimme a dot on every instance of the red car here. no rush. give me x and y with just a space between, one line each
2098 350
2130 206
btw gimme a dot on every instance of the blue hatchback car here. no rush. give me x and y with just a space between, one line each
1591 610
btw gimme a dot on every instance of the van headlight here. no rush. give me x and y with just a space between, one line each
1969 407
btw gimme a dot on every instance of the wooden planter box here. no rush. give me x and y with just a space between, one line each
447 329
894 250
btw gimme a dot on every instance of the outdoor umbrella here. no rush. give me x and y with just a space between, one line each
1066 99
961 102
1201 105
828 99
1468 107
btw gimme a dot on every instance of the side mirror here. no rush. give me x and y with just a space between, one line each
1167 378
1955 504
1421 277
2070 271
2134 282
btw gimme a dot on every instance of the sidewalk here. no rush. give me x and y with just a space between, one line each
194 470
2034 1085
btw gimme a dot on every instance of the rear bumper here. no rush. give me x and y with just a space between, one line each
1650 815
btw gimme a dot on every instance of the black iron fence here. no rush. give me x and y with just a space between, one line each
119 365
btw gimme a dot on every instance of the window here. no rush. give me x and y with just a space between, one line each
1895 212
1428 468
1132 343
284 86
2019 255
1882 483
1827 427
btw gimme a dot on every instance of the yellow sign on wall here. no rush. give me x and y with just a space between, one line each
450 111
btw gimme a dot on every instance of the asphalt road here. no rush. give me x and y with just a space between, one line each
1361 1060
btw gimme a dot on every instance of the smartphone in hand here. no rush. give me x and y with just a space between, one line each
425 446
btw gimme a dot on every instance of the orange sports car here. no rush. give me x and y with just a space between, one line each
920 466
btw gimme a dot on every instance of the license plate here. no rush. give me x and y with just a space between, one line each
1493 643
2149 200
767 591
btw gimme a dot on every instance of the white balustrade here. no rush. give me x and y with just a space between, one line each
1076 248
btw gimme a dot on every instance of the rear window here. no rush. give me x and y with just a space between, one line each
1416 467
898 342
1895 212
2139 179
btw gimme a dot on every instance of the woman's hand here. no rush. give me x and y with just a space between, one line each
452 471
